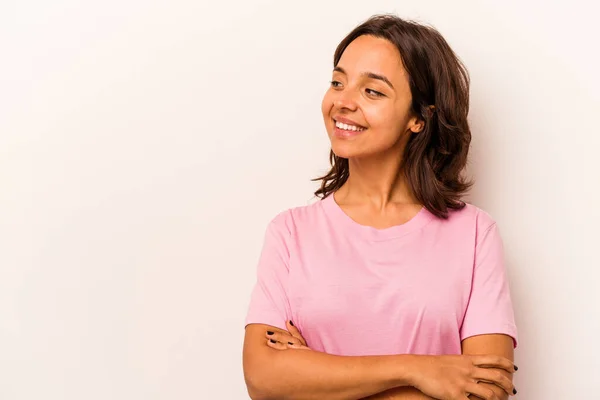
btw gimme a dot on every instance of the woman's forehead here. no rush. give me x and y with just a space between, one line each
373 55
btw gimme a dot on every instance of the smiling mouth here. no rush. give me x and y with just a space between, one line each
347 127
342 133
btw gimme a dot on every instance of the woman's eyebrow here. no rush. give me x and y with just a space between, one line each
371 75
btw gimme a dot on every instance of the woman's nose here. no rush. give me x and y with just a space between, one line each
345 99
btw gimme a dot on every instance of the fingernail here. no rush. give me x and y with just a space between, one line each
272 341
290 343
269 333
291 323
516 368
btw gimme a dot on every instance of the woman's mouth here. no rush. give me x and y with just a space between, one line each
345 130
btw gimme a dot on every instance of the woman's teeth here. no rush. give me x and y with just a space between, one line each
347 127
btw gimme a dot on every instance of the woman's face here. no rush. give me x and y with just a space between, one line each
370 90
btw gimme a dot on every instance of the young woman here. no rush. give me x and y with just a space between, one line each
389 286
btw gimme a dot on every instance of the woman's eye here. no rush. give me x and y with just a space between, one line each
374 92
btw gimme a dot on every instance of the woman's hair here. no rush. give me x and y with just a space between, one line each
434 158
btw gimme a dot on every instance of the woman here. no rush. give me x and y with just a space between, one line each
396 286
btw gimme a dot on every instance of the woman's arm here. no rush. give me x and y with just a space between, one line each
273 374
400 393
501 345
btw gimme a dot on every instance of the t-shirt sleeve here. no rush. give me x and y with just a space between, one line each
490 309
269 302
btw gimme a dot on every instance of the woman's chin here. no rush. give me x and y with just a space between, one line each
346 151
355 153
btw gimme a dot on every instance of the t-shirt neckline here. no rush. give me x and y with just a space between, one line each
340 217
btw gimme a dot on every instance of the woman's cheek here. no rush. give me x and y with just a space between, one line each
327 102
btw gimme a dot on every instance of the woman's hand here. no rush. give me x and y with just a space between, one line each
456 377
292 339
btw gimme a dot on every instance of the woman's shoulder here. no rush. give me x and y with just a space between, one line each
471 224
289 218
471 215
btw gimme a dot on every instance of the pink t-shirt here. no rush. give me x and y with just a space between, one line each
416 288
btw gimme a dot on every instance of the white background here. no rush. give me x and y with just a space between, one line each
144 146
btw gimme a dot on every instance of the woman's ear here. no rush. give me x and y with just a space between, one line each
417 125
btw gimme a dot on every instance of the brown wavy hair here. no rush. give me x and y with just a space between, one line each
434 158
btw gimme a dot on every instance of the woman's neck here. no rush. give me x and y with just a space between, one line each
376 180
